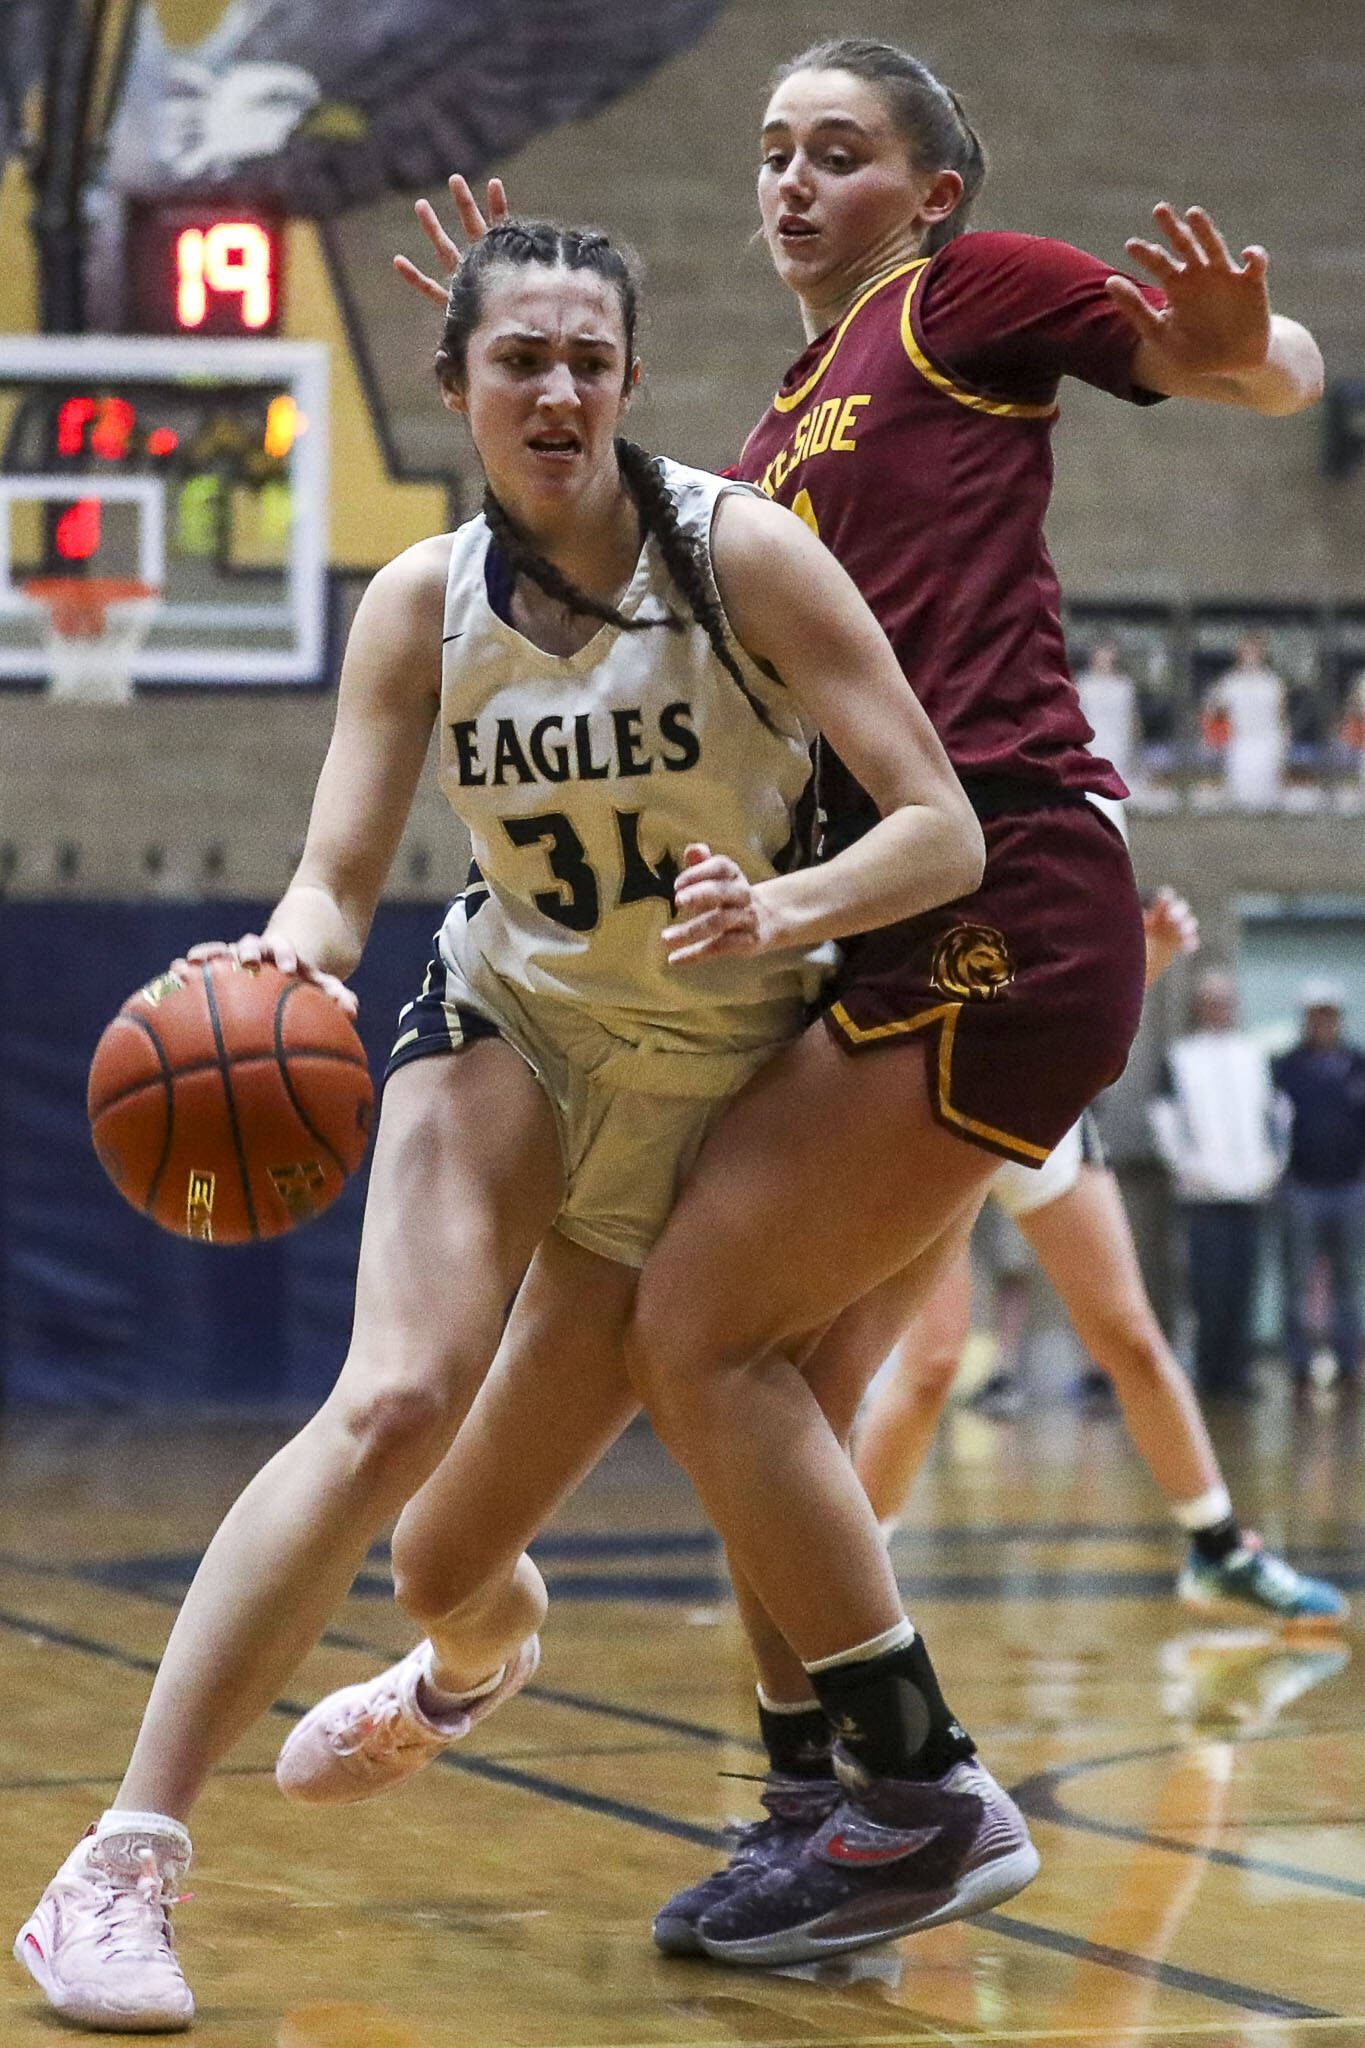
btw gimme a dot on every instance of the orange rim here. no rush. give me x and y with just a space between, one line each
77 604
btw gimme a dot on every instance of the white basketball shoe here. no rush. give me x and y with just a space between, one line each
98 1941
368 1738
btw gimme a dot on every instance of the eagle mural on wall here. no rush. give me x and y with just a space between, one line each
317 107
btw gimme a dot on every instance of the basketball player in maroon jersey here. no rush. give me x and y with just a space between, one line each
913 435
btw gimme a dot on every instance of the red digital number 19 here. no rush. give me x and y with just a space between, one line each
233 256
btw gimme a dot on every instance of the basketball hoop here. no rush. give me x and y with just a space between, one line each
93 628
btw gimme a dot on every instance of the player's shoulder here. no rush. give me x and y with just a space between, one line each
986 254
423 566
407 596
750 529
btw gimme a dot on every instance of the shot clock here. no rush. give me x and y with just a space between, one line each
204 271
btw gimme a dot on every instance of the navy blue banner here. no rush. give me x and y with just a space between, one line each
97 1305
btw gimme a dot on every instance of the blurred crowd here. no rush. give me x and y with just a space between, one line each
1265 1158
1267 729
1250 1140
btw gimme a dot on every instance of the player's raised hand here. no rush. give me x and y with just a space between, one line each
1171 929
1217 317
719 910
474 223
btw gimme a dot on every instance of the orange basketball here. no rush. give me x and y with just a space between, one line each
230 1103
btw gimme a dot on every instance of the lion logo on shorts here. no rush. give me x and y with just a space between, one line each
973 961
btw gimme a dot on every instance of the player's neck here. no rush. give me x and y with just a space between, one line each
840 292
596 547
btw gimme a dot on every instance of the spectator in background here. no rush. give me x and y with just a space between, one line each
1353 722
1109 701
1322 1196
1215 1125
1244 719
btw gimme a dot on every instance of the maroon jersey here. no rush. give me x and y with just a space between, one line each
915 438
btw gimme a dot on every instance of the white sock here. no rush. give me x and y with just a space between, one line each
1210 1508
894 1638
436 1701
771 1706
159 1828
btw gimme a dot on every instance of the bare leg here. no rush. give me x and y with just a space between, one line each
709 1360
838 1370
898 1426
1085 1245
466 1179
555 1398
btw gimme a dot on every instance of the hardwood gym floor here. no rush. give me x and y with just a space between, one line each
1198 1794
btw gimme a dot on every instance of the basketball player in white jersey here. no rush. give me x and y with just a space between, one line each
603 648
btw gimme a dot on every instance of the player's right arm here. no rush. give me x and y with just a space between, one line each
387 703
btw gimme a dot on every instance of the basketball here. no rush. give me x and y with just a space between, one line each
228 1102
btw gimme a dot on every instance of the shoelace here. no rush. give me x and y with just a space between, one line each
135 1918
750 1836
381 1731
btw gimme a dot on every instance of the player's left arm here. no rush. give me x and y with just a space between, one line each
796 611
1216 337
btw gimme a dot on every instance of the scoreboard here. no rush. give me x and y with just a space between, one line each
199 467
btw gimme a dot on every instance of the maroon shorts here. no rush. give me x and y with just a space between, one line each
1028 992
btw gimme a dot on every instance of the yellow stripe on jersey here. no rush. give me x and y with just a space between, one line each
945 1015
999 408
788 401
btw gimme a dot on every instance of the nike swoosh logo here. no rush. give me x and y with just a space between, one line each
840 1850
446 638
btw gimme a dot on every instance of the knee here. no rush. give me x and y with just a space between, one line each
396 1426
674 1363
436 1591
1128 1344
931 1379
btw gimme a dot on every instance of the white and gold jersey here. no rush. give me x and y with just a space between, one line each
582 777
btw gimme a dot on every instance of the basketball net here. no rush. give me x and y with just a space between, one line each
93 627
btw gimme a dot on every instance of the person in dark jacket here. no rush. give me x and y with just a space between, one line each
1322 1196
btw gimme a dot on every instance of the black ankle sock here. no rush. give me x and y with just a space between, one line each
1218 1541
798 1745
889 1714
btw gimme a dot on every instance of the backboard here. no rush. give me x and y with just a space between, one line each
200 467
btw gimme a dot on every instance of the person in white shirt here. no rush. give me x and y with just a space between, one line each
1218 1132
1109 701
1245 708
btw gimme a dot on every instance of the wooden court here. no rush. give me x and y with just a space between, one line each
1198 1794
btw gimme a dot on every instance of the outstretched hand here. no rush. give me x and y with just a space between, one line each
1171 929
448 252
1216 321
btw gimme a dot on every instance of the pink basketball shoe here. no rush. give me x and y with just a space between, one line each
98 1941
368 1738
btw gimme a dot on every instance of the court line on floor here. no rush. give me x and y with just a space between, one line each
1172 1975
1244 1997
1038 1796
159 1577
945 2035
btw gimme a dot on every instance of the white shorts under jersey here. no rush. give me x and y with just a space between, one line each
582 778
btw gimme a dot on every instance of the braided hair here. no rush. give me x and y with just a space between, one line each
926 113
526 242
